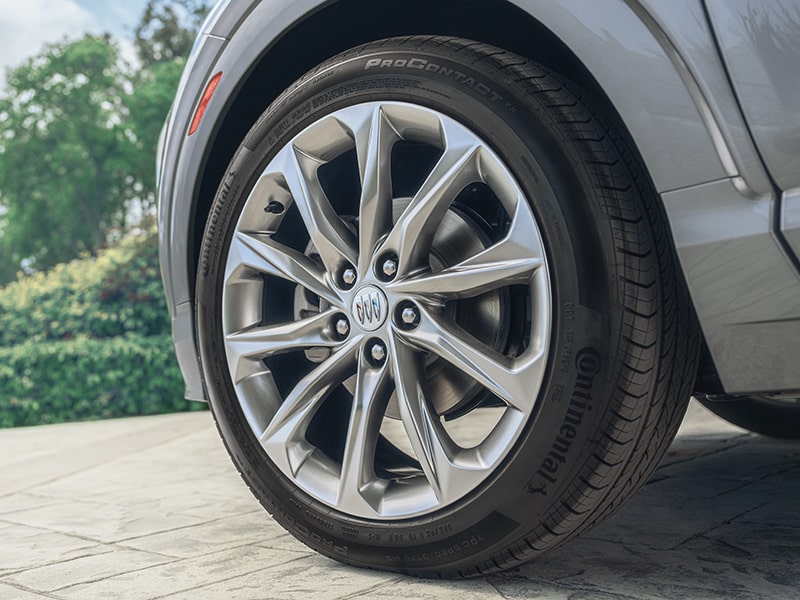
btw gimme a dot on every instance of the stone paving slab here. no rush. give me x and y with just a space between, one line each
152 508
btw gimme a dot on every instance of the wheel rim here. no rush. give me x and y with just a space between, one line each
343 388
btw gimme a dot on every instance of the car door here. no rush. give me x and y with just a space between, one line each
760 44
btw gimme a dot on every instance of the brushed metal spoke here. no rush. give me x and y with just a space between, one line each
412 235
508 378
284 437
433 448
331 238
261 253
513 260
374 138
358 484
256 343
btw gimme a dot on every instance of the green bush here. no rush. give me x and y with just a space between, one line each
89 339
84 379
115 293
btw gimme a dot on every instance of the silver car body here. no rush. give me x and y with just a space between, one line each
709 91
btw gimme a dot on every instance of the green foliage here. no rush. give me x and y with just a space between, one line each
84 379
115 293
153 91
163 39
78 137
86 335
167 29
64 152
89 340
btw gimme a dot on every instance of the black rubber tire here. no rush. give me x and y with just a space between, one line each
624 345
773 418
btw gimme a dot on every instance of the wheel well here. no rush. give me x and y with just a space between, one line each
354 22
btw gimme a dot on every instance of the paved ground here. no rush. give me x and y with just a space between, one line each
151 507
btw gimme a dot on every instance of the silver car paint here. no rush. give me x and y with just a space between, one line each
658 63
756 315
760 44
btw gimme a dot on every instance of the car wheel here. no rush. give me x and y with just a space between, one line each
440 321
774 417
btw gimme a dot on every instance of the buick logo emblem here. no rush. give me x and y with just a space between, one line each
369 308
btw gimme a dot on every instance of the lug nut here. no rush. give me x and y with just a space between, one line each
349 276
390 267
342 327
378 352
410 316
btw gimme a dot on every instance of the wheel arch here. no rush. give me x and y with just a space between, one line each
502 23
660 117
496 22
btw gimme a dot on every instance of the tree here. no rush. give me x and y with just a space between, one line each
167 29
153 91
78 137
64 152
8 269
164 38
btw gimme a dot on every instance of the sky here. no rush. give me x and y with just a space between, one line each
26 25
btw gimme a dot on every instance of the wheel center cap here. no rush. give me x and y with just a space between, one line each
369 308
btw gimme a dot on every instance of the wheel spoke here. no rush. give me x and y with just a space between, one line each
334 243
263 254
412 235
433 447
508 378
375 137
358 483
257 343
284 437
513 260
472 277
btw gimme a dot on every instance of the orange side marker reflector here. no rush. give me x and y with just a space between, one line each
201 108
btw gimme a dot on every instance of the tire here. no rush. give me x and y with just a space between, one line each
774 418
582 338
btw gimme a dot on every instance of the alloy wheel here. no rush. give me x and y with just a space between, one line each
405 357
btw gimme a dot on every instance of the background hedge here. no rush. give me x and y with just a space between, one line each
85 378
89 339
115 293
